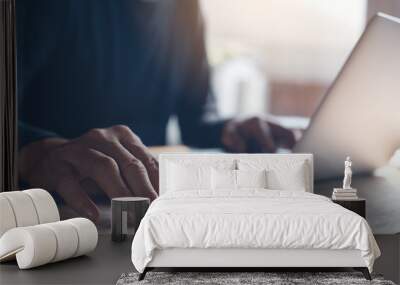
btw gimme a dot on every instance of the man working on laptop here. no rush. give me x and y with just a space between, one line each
98 80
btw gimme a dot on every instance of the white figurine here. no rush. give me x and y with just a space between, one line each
347 173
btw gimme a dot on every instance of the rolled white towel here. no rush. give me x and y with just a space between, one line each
7 218
26 208
40 244
67 240
45 205
87 235
32 246
23 208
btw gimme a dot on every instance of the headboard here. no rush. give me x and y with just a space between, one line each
217 158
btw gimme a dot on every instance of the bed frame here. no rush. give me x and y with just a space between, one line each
246 259
260 259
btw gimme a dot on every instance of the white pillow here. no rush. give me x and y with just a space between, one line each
292 178
251 178
281 175
223 179
186 177
226 179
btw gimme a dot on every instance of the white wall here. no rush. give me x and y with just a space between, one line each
295 39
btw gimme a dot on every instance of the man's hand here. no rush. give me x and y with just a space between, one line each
114 158
256 135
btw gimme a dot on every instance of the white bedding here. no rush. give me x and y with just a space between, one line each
250 218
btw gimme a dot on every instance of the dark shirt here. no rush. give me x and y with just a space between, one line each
86 64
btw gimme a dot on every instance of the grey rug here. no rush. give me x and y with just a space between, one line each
269 278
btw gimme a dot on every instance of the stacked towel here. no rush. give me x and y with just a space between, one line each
344 194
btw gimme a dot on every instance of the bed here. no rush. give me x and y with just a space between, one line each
247 211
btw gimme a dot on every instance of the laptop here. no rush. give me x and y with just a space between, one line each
360 114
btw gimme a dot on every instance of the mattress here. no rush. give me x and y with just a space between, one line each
250 219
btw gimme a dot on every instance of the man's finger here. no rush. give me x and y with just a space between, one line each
151 164
140 179
100 168
258 130
283 136
132 169
131 142
231 138
75 197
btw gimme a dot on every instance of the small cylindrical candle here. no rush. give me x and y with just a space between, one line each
126 211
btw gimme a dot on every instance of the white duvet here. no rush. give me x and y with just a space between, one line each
250 219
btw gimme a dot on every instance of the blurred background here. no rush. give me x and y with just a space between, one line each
280 56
